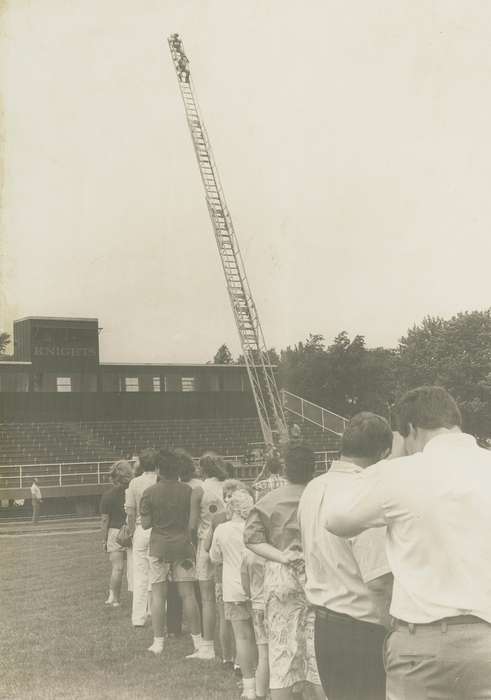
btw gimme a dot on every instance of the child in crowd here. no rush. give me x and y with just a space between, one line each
252 577
228 549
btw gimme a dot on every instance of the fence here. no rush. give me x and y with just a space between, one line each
327 420
20 476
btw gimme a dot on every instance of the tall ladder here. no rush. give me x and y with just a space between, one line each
261 374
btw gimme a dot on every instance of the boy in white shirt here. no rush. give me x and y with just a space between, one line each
228 548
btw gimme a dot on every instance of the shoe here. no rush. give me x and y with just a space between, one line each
156 648
228 665
109 601
115 604
203 654
237 671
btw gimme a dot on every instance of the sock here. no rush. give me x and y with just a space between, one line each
249 685
197 640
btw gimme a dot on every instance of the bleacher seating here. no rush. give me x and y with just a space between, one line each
44 443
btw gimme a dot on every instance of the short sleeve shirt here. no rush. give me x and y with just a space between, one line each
274 519
112 504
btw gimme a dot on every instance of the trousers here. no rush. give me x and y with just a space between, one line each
141 539
439 662
36 507
349 657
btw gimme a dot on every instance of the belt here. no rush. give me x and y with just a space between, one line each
326 614
443 622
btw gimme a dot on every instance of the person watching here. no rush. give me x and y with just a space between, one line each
348 580
436 505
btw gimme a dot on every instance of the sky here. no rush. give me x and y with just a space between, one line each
352 141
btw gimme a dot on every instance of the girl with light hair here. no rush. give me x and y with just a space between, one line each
227 548
113 517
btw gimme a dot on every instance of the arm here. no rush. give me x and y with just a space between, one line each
104 529
382 591
130 508
194 512
216 554
146 512
355 502
256 539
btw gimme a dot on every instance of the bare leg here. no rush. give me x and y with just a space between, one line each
226 634
207 589
117 565
190 609
159 595
246 646
262 670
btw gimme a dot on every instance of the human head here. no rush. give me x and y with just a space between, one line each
273 462
240 503
149 459
187 470
230 486
367 439
299 464
424 412
34 480
212 465
168 465
121 472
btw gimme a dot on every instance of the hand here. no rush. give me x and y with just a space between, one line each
104 546
292 557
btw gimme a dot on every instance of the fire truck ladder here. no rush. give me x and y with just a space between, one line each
261 374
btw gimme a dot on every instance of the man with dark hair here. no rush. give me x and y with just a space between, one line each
436 504
348 581
168 509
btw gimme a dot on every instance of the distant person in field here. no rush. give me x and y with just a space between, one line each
113 517
169 512
141 537
210 500
37 499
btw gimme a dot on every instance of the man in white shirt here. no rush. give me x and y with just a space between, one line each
37 499
141 537
436 504
348 580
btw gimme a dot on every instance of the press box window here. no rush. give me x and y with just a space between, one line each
63 383
131 384
156 384
188 383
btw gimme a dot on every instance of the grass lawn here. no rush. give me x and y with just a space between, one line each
59 641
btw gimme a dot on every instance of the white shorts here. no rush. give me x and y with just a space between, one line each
112 545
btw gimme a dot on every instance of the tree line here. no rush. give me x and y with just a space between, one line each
346 376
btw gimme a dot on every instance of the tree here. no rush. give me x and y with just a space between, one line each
223 356
4 341
455 354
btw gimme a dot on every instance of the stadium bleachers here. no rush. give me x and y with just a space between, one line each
43 442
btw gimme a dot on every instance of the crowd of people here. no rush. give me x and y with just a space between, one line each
370 581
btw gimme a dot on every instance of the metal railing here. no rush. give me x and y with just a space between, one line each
65 474
306 410
59 474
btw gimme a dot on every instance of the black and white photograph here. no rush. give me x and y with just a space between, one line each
245 350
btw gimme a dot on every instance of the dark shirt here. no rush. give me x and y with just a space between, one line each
165 507
112 504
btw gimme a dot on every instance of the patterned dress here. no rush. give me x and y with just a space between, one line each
289 618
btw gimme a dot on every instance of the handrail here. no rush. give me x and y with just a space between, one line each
322 417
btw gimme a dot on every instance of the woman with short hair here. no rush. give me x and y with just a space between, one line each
272 531
113 517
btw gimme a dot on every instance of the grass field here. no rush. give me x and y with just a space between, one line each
59 641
